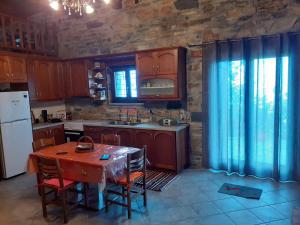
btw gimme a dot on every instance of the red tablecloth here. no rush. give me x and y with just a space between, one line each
85 167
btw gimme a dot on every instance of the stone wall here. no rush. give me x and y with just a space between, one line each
147 24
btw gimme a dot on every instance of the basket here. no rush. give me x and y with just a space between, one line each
82 146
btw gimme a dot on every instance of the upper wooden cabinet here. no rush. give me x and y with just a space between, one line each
161 74
24 35
13 69
76 78
4 70
146 63
156 63
17 69
45 81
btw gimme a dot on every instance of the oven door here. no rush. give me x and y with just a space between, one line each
73 135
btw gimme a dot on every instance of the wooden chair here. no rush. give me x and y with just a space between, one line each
111 139
38 145
50 177
135 170
43 143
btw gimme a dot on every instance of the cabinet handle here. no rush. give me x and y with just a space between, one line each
83 172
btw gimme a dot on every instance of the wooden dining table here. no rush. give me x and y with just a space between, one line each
85 167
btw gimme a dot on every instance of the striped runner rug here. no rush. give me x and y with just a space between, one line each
157 180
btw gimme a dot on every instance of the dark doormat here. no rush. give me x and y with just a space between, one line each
157 180
240 191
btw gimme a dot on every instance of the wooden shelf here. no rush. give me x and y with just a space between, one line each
26 36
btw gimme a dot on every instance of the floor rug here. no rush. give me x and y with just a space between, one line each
157 180
240 191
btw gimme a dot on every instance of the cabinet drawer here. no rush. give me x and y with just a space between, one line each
91 129
81 172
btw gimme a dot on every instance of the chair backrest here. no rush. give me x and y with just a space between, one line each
48 169
111 139
43 143
136 161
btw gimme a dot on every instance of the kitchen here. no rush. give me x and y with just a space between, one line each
135 70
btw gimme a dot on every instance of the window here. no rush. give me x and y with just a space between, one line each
124 85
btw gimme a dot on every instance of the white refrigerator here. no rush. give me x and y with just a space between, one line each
15 133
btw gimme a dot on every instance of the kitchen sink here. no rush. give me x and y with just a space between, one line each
116 122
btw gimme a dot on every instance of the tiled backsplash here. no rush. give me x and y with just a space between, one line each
53 108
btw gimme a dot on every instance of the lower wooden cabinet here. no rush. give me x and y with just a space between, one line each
165 149
164 154
56 131
145 137
126 136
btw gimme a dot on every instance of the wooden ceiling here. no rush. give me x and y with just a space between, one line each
23 8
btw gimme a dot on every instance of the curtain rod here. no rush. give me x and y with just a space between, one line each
235 40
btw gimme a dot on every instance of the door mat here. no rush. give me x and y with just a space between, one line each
240 191
157 180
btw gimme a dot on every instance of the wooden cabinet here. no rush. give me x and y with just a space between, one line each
28 36
146 63
164 154
96 132
165 149
45 80
56 131
17 69
4 70
162 74
167 62
77 78
159 62
145 137
126 137
13 69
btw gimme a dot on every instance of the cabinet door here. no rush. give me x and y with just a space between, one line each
93 132
164 150
58 133
142 138
145 64
43 77
55 89
18 69
67 79
79 78
167 62
126 137
41 133
4 70
32 80
60 85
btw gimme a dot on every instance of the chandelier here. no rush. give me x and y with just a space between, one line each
74 6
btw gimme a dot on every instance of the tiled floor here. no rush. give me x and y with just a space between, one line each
192 199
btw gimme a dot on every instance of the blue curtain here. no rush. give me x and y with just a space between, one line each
252 97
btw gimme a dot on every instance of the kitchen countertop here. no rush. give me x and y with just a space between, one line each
37 126
105 123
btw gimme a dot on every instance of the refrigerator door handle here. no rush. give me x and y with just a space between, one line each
13 121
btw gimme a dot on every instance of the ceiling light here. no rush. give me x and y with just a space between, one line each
54 4
75 6
89 9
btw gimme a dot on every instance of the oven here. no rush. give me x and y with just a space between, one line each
73 135
73 130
